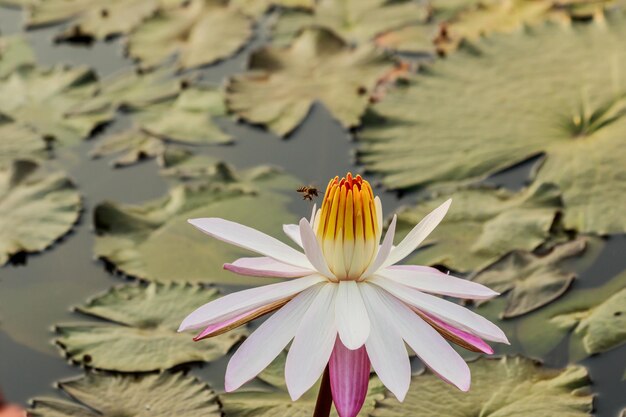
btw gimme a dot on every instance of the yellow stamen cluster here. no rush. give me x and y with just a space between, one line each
347 226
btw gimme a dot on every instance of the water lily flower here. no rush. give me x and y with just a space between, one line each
345 303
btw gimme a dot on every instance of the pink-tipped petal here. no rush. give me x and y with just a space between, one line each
383 251
349 378
266 342
431 280
459 316
233 305
221 327
266 267
313 343
313 250
351 317
385 346
293 232
417 235
464 339
427 343
251 239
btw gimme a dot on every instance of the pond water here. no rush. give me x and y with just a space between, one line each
40 292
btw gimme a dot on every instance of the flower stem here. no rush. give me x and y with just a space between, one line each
324 397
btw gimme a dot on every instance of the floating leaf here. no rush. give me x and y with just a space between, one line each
114 395
511 386
199 32
256 8
596 319
133 90
276 401
355 21
92 19
18 141
482 225
142 331
153 241
511 100
134 145
530 281
36 208
274 91
188 118
15 53
41 98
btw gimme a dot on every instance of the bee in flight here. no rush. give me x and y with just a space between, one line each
308 192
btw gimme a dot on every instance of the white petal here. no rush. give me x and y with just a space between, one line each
428 344
313 211
351 317
383 251
236 303
313 344
418 234
379 213
251 239
262 346
293 232
263 266
385 346
312 249
431 280
447 311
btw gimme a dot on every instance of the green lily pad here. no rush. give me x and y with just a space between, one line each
18 142
113 395
511 386
41 99
199 32
273 93
132 145
153 241
482 225
15 52
256 8
141 332
132 90
595 318
273 400
510 100
188 118
92 19
37 207
530 280
355 21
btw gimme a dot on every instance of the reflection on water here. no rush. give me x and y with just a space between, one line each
35 296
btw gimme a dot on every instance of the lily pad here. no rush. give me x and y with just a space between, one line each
500 387
92 19
273 93
530 280
133 90
153 241
482 225
273 400
15 52
188 118
113 395
37 207
132 145
41 99
595 318
256 8
199 32
511 100
355 21
141 332
19 142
